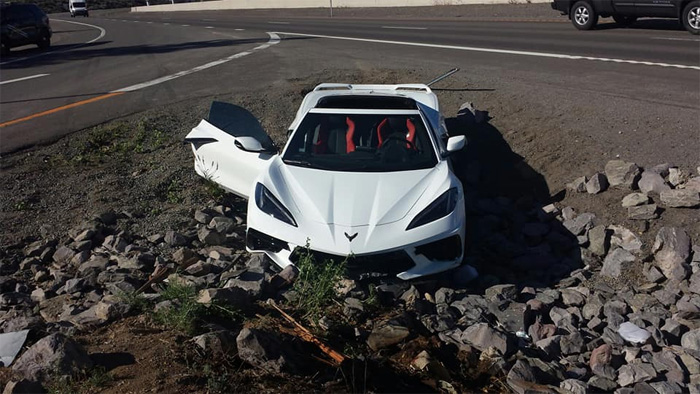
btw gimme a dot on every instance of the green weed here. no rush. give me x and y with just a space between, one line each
316 283
187 314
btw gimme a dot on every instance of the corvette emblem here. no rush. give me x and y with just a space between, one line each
350 237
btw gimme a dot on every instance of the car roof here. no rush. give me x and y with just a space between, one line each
357 96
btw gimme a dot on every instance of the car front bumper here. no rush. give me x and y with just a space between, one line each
441 251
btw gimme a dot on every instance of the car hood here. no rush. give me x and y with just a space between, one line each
350 198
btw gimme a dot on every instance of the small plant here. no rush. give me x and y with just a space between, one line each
90 381
136 302
186 314
316 283
173 192
372 301
21 206
185 311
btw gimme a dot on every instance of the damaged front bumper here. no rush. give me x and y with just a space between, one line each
437 254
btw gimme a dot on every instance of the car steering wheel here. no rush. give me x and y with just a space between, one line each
399 139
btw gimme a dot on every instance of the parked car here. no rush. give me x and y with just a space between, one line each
365 172
584 14
23 24
77 7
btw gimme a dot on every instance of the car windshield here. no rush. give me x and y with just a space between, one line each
362 142
80 5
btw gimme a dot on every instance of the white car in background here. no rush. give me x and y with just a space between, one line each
365 172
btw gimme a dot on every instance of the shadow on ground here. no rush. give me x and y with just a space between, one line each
511 236
65 53
645 24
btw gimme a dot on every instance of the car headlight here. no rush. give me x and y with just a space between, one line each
267 203
441 207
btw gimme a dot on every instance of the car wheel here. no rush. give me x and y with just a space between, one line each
4 50
691 17
583 16
624 20
44 41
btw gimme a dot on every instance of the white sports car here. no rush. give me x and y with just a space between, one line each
364 172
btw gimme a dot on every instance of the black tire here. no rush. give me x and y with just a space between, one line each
4 50
691 17
583 16
624 20
44 40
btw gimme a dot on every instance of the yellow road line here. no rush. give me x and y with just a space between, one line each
61 108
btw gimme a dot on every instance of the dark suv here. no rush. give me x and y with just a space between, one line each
23 24
584 13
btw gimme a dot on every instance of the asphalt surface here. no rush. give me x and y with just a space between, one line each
653 64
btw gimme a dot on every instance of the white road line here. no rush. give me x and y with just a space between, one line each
278 23
185 25
102 31
23 78
675 39
166 23
404 28
208 27
501 51
149 22
274 39
102 34
240 29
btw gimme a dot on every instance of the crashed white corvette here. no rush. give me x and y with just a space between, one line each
364 173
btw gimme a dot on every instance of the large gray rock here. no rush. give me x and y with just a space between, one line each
210 237
482 337
691 340
651 182
625 239
578 185
54 354
574 386
386 335
680 198
598 183
261 349
524 378
251 282
635 199
643 212
580 223
501 292
217 342
635 373
599 240
622 173
222 224
671 252
617 262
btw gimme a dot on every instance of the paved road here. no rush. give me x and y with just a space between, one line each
655 64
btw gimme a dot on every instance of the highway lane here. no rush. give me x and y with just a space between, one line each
143 47
652 41
127 55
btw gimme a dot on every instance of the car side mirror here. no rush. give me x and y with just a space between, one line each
250 144
456 143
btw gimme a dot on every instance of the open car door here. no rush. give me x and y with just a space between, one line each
231 148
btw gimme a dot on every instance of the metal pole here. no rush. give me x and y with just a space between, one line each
331 8
443 76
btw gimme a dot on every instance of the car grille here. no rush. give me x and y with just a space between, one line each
366 266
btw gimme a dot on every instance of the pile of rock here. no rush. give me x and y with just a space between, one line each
562 301
669 186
